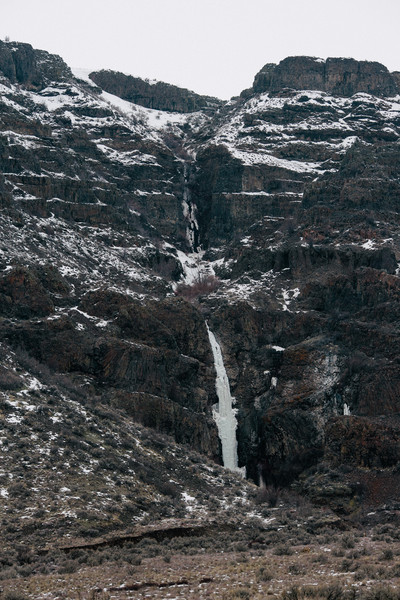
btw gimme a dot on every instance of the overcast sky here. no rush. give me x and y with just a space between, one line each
212 47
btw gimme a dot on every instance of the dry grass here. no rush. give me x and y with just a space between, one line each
228 567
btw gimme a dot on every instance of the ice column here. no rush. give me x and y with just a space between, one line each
224 414
189 212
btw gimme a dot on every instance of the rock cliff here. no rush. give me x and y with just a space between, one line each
157 94
21 63
336 76
273 217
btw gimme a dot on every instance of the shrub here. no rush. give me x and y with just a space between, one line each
10 573
382 593
283 550
296 569
269 495
240 593
334 592
204 284
347 565
263 574
13 595
387 554
9 380
348 541
19 490
69 566
167 489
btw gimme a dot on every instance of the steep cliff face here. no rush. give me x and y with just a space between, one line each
157 94
20 63
299 188
267 152
291 195
336 76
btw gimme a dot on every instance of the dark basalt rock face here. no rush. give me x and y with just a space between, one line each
156 363
20 63
365 442
158 95
23 295
232 196
367 178
337 76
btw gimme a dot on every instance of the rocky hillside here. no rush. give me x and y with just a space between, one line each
152 94
125 229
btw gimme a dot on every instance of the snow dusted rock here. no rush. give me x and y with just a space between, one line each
275 214
367 177
20 63
270 155
338 76
152 94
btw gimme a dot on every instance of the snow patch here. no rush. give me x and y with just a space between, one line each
368 245
83 74
190 501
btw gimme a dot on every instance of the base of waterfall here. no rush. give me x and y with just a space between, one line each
227 425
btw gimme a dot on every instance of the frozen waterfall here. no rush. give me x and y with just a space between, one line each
223 412
189 213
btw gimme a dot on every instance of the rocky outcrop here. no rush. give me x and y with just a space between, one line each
360 291
365 442
293 371
52 67
219 173
337 76
172 323
272 156
22 295
20 63
122 190
304 259
157 95
367 178
195 429
232 196
154 361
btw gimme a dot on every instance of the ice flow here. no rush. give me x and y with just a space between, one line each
224 414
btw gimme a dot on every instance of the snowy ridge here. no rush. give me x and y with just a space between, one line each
261 129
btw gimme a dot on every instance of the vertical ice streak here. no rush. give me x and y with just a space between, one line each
189 213
223 412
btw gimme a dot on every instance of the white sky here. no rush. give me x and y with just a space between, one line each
212 47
